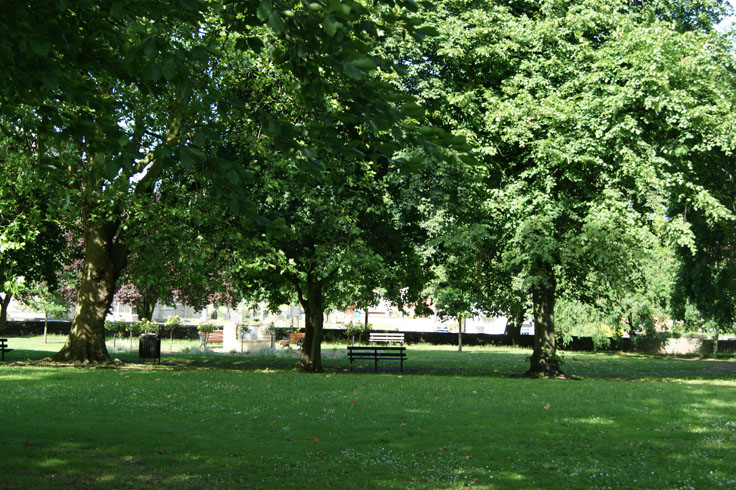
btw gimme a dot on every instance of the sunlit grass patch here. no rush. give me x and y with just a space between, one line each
206 420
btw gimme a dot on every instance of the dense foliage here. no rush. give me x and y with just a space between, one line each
495 157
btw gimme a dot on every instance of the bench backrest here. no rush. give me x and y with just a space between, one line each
296 337
386 337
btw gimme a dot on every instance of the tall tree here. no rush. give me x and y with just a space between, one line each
583 114
128 88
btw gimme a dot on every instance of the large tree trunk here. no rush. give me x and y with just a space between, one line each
4 311
103 262
314 317
544 361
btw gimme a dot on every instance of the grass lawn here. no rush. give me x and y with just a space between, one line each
451 420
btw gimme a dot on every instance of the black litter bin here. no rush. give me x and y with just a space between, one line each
149 347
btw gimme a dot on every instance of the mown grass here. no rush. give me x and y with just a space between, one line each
451 420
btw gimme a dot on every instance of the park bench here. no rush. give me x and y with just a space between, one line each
393 338
294 338
377 353
212 337
4 348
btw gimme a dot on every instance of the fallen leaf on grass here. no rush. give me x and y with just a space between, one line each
534 394
443 449
467 457
315 440
546 406
403 424
28 444
289 438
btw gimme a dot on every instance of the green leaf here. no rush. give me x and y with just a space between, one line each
233 177
41 48
189 156
99 159
264 10
111 170
262 220
116 9
401 70
352 71
169 70
412 109
275 22
200 53
153 72
331 25
428 31
365 63
49 81
339 7
273 128
191 5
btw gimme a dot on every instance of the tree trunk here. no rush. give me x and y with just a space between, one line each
4 311
459 333
103 263
513 327
144 306
715 342
314 317
544 361
45 327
